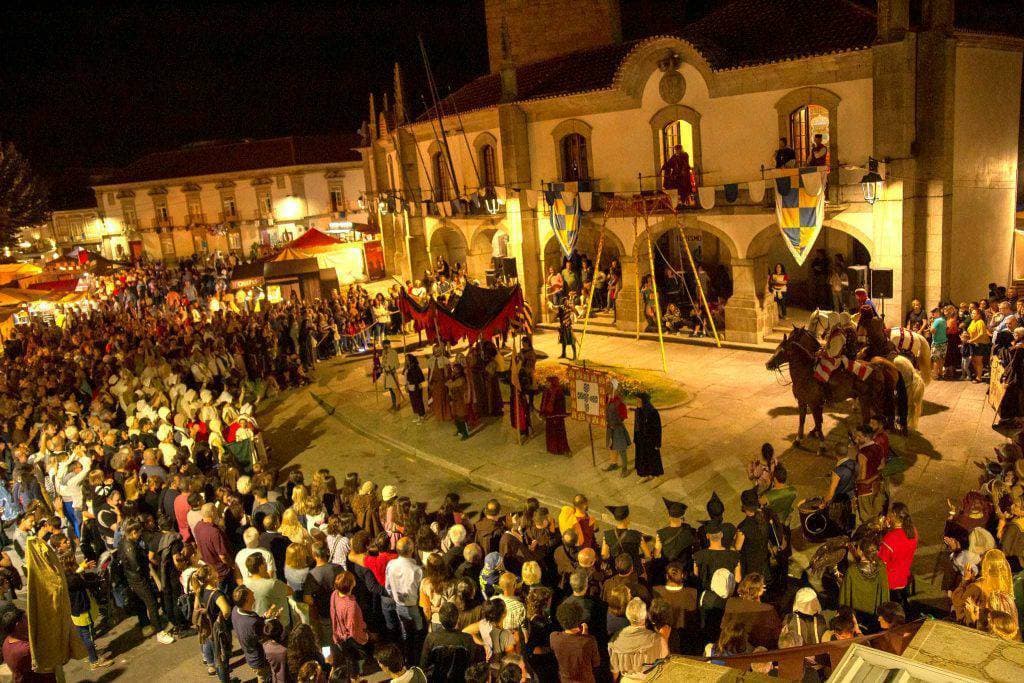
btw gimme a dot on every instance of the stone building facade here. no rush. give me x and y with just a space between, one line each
231 196
932 95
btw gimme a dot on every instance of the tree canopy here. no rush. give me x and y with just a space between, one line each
24 196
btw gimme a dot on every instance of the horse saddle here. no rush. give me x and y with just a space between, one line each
886 367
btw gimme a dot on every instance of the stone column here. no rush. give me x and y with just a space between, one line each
625 306
520 219
744 319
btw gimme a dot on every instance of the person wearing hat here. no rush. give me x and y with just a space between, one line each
752 536
716 512
622 539
617 437
647 439
675 542
716 556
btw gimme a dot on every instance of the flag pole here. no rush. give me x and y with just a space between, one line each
700 287
654 282
590 298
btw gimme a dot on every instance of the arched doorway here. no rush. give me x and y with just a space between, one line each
450 243
586 244
481 250
809 283
675 275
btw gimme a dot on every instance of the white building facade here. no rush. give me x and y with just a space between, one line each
234 197
938 104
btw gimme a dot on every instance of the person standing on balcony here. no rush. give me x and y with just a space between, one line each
676 175
785 157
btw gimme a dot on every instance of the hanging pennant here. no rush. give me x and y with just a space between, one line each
732 192
568 197
673 196
586 201
500 193
707 197
799 215
811 180
531 199
565 222
756 189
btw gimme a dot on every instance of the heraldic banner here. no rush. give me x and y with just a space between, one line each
799 210
565 219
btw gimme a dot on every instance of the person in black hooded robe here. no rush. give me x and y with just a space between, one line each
647 439
716 511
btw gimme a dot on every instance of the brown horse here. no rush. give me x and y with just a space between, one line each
799 350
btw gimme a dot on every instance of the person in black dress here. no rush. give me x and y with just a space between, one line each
752 536
673 543
622 539
647 439
414 385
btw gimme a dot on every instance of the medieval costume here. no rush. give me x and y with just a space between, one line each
456 386
647 439
616 436
565 333
675 542
622 539
528 361
414 385
437 375
519 402
494 366
477 380
676 175
552 408
389 372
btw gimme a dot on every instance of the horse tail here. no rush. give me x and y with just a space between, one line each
924 359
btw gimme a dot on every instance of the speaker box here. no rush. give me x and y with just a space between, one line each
881 283
508 268
492 279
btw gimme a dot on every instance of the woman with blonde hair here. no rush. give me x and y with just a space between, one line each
761 620
296 567
991 592
364 507
1003 626
292 528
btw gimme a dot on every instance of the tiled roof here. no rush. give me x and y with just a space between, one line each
232 157
741 33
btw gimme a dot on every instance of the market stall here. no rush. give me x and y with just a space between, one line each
347 259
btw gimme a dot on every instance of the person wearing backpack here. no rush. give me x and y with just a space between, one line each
210 614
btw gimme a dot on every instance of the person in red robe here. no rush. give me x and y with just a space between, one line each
552 408
676 175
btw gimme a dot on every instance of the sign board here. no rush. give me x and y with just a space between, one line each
588 394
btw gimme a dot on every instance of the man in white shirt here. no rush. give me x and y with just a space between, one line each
251 537
402 582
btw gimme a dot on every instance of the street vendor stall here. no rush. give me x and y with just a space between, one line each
347 259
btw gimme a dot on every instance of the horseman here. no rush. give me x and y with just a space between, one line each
879 350
832 355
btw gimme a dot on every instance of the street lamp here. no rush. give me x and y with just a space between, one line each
871 183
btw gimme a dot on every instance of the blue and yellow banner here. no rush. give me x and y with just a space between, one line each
565 218
800 210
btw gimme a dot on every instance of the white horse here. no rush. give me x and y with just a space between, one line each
916 346
821 321
914 381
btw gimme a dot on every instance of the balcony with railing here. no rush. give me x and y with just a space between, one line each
161 222
230 216
195 219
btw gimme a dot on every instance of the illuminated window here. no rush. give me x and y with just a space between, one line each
488 166
194 207
678 132
337 200
442 181
804 124
228 205
574 158
265 204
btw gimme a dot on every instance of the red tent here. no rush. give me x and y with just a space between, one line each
313 241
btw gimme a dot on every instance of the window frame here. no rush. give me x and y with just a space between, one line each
659 122
559 134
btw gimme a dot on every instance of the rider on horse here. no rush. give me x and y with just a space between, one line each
879 350
834 351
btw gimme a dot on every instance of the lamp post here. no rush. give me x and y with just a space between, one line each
871 183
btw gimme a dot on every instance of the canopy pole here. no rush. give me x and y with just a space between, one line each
636 281
700 287
654 285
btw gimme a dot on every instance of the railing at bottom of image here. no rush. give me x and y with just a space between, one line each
790 661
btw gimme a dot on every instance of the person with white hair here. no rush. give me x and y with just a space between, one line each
251 538
636 646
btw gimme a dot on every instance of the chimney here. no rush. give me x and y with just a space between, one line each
507 70
893 20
